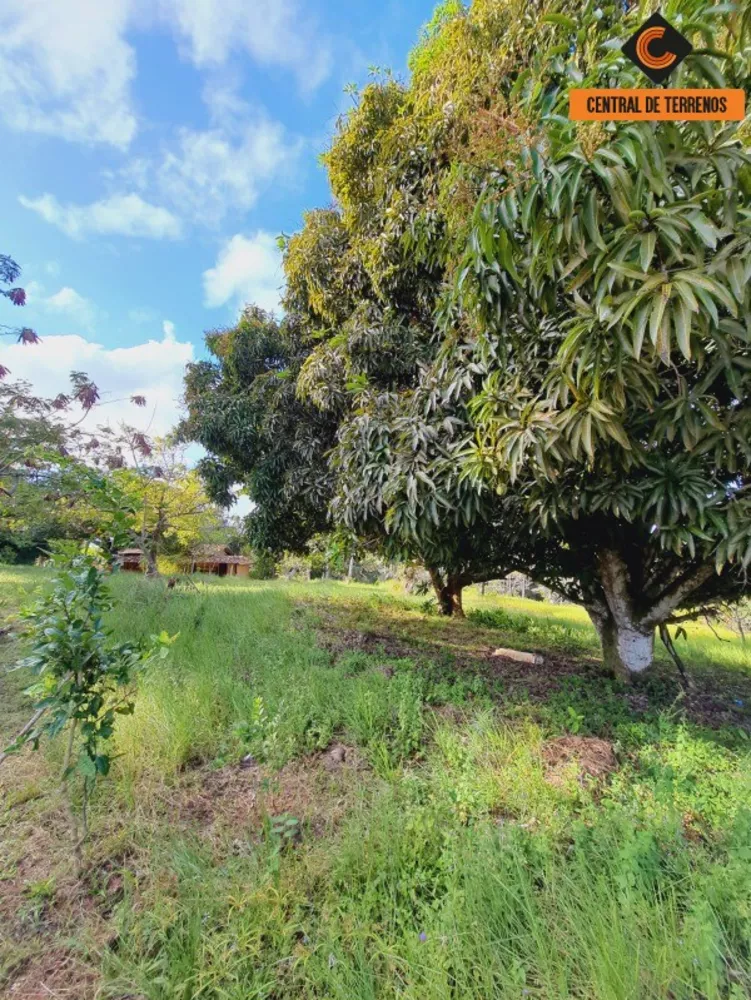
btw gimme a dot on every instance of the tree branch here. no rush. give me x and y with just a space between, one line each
676 594
29 725
667 640
690 616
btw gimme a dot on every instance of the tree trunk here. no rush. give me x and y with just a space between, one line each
448 592
627 649
628 640
151 566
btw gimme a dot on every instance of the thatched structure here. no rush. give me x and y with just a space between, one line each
218 559
131 560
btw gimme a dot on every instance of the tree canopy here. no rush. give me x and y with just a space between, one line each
10 272
170 510
63 480
529 339
242 406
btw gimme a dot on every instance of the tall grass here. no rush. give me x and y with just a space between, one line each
414 900
459 872
242 679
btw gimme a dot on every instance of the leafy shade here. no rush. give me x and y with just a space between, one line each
534 333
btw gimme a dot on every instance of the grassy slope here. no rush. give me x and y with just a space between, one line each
438 861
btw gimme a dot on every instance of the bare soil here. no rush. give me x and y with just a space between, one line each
586 757
317 790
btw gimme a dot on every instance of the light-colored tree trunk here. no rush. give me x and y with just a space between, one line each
627 649
628 642
626 626
151 565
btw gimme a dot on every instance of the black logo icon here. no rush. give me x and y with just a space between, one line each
657 48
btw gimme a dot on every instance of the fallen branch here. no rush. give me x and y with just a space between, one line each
513 654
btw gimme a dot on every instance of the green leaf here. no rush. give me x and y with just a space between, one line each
682 322
704 229
616 431
586 436
561 20
102 764
86 766
659 303
590 219
648 244
640 327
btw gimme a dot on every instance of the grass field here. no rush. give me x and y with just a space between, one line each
327 792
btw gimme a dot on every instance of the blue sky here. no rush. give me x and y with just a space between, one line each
152 151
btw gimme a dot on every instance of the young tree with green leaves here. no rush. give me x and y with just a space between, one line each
84 680
171 511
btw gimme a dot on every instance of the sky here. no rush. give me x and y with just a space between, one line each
153 150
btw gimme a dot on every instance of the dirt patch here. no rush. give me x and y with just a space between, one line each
44 907
343 640
586 757
317 790
730 707
52 974
536 682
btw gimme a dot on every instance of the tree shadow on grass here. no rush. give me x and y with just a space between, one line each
569 691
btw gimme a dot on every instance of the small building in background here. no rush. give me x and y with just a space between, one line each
130 560
218 559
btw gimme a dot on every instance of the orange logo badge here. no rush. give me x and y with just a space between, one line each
657 48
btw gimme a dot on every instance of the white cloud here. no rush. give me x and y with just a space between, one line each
272 32
65 304
209 173
169 330
201 176
153 369
204 174
124 215
66 69
68 302
143 315
247 271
